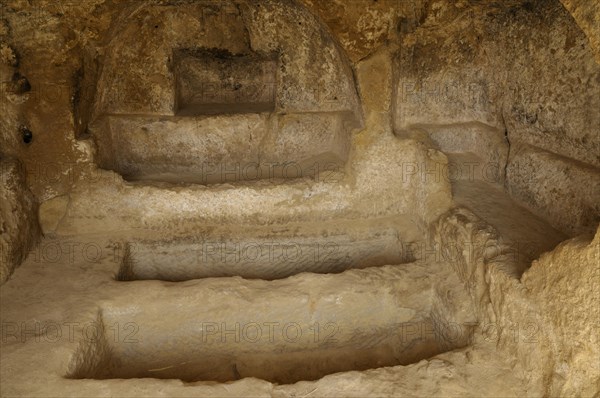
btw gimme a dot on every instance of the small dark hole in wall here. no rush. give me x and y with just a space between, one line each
20 84
26 134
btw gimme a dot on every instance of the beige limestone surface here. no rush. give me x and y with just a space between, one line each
514 84
19 229
405 296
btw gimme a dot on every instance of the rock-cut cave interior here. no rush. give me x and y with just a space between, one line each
300 198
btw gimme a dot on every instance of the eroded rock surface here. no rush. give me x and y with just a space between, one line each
525 69
19 229
587 15
542 318
423 161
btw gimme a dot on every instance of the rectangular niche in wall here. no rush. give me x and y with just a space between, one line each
215 81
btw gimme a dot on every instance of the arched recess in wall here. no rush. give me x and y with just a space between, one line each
211 92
